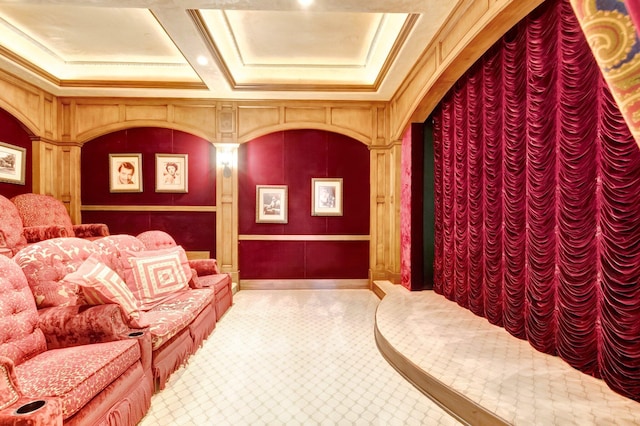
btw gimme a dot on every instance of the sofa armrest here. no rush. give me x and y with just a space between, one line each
65 326
86 230
9 391
217 281
35 234
194 282
204 266
19 409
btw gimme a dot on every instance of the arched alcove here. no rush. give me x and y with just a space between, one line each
307 246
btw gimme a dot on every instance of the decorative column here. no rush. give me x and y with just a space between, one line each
227 190
227 208
385 213
56 172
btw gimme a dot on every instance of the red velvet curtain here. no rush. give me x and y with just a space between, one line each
537 192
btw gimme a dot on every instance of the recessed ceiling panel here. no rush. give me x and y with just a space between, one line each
222 49
299 38
297 47
75 42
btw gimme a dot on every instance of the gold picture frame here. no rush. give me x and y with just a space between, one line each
172 173
271 203
326 196
13 160
125 172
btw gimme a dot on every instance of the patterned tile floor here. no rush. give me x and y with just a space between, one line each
293 357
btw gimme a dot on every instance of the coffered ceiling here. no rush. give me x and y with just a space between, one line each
222 49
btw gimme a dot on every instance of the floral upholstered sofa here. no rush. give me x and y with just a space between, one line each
149 290
206 273
79 370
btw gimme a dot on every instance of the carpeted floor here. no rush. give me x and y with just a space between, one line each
293 357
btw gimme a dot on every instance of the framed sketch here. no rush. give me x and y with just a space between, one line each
125 172
12 163
172 173
271 204
326 196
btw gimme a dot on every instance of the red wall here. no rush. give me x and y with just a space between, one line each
293 158
13 133
193 230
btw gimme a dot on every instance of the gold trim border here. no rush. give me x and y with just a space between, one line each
246 237
129 208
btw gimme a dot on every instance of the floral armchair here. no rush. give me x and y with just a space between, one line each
13 235
37 210
206 271
93 376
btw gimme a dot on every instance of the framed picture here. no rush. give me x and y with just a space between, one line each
326 196
271 204
12 163
125 172
172 173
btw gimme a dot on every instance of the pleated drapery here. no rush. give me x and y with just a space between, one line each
537 199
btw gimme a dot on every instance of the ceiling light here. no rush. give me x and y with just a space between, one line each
202 60
305 3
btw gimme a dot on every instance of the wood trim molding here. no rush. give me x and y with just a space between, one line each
305 284
246 237
130 208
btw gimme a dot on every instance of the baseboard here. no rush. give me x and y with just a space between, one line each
381 287
302 284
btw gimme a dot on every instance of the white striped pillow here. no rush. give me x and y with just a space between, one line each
101 285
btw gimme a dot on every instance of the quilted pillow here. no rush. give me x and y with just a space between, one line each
155 275
101 285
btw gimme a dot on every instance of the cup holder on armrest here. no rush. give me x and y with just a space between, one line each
31 407
135 334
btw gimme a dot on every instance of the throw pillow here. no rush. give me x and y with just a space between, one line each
101 285
155 275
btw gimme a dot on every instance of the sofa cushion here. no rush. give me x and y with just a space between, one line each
41 209
46 263
175 314
77 374
112 248
56 293
157 274
101 285
20 337
11 225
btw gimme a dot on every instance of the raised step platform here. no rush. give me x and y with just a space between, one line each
480 373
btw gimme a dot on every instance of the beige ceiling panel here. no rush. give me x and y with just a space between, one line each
219 49
75 42
264 38
293 47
